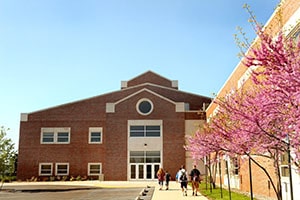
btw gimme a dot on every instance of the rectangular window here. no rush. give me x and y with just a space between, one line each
95 135
152 156
144 156
45 169
63 137
144 131
94 169
55 135
62 169
137 157
285 171
235 166
47 137
152 131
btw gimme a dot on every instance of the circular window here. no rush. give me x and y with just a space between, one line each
144 106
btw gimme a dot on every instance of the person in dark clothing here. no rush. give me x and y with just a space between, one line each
195 177
168 178
183 181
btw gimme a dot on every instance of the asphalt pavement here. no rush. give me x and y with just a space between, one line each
93 190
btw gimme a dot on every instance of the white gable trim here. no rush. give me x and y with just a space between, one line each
179 106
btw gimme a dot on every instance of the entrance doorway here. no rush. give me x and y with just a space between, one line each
144 171
143 165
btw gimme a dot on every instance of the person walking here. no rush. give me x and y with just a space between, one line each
168 178
195 177
183 181
160 176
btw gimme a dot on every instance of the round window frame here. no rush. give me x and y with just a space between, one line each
138 106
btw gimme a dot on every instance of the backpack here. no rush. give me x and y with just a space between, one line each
183 177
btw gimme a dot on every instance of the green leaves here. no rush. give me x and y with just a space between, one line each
7 155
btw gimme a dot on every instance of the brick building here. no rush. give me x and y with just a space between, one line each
123 135
286 18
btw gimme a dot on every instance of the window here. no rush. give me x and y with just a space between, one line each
48 137
95 135
63 137
55 135
45 169
62 169
285 172
285 165
144 106
144 131
144 156
94 169
235 166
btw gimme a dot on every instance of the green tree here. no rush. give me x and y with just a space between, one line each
7 155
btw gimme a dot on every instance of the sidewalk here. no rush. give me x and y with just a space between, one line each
174 193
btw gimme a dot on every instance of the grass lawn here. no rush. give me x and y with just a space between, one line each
216 193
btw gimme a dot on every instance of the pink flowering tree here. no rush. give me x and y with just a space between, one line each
279 64
240 128
262 120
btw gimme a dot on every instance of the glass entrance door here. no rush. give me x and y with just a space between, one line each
144 165
151 170
143 171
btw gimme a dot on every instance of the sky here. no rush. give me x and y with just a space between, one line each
54 52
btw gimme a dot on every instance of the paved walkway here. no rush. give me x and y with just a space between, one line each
173 193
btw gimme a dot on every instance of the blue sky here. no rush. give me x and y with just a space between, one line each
58 51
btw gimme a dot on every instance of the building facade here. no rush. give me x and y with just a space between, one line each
123 135
286 18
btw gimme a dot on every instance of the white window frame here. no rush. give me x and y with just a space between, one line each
93 130
61 174
55 131
89 169
40 169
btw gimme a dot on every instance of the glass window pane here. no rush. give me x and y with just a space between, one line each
95 169
137 131
145 107
141 171
150 128
95 137
133 172
153 156
152 131
137 134
48 137
153 134
137 160
152 160
136 153
46 169
135 128
62 169
153 153
63 137
149 171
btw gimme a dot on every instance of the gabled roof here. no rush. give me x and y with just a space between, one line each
148 82
150 77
